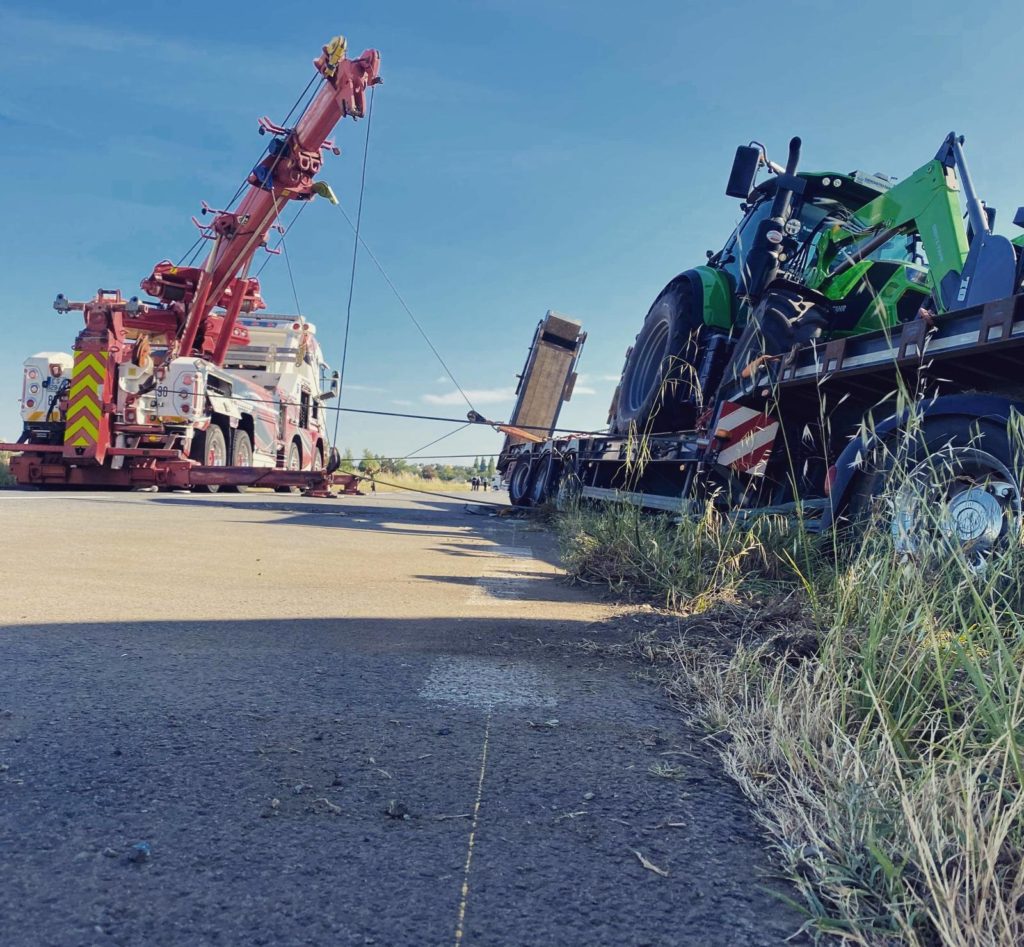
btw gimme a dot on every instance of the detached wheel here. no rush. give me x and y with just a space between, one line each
212 451
950 489
241 456
293 461
655 392
519 483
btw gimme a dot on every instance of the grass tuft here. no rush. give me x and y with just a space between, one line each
870 707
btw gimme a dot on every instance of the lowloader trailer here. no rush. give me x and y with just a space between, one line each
195 386
850 324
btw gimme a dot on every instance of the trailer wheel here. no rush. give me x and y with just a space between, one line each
657 379
241 456
953 485
212 451
545 478
519 483
570 484
293 461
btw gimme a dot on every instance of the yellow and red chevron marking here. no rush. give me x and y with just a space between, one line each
85 400
749 437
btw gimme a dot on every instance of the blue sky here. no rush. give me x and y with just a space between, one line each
524 156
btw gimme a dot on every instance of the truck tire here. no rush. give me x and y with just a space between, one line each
654 394
241 456
211 450
519 483
955 482
293 461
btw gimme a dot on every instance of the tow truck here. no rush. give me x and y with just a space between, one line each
194 385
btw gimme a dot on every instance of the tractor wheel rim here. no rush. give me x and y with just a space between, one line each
965 500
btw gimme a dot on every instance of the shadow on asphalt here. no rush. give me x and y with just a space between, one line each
259 760
435 518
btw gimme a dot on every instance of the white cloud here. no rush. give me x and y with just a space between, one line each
476 396
402 402
584 390
373 388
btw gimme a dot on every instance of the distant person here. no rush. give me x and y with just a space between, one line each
475 483
483 483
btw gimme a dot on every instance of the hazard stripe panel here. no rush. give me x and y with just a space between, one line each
85 400
749 437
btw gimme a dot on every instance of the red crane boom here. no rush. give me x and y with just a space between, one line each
286 173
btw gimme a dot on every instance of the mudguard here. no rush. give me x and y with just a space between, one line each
970 407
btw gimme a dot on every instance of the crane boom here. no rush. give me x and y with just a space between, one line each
286 173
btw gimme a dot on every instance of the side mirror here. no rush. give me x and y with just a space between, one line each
744 171
333 393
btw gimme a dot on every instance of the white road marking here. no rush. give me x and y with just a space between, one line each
502 582
485 684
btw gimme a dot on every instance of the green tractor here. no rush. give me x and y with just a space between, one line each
817 255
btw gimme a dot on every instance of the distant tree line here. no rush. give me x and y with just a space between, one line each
378 464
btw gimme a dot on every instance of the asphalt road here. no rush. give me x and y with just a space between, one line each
272 720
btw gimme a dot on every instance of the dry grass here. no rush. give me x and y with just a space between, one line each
875 717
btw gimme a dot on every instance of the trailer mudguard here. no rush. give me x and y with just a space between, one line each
968 407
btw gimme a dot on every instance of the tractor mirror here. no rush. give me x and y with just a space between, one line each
744 171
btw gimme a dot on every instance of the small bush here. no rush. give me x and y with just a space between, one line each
6 478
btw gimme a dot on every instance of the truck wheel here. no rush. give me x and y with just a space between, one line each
655 392
293 461
211 451
241 456
519 483
953 485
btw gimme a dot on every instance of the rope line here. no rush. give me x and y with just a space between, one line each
424 417
245 182
355 257
435 493
408 311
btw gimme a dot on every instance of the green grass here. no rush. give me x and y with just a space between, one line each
871 708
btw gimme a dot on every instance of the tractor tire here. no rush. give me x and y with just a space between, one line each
655 392
953 483
211 449
241 456
293 461
519 483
